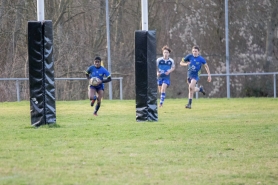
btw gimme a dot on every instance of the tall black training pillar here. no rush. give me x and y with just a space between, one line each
41 73
145 76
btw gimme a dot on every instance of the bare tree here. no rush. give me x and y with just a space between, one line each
272 26
79 29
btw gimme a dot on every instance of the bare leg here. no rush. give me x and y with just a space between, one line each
92 96
163 93
91 93
163 88
99 99
159 89
191 89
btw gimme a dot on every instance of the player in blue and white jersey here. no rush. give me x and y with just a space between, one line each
194 62
165 65
98 71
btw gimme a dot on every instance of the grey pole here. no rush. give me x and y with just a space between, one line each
274 85
40 10
108 47
144 10
227 49
17 90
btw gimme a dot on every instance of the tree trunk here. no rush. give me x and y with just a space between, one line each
99 32
272 25
12 47
2 13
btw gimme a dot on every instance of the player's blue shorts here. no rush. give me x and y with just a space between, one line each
97 88
160 81
193 77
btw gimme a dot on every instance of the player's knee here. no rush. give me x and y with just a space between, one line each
99 99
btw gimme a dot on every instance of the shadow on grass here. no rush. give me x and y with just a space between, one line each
46 126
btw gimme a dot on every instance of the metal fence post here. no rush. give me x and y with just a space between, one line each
121 88
17 90
274 85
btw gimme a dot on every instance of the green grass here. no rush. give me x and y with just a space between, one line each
218 141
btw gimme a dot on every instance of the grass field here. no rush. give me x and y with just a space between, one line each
218 141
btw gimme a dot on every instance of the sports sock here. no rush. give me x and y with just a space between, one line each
93 100
97 107
189 101
162 97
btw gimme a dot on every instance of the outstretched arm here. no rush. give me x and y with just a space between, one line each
182 63
207 69
87 75
170 71
108 79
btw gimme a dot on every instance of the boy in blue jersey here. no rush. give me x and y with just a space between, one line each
165 66
98 71
194 62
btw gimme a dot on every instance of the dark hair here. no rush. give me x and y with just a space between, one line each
166 48
196 47
98 58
